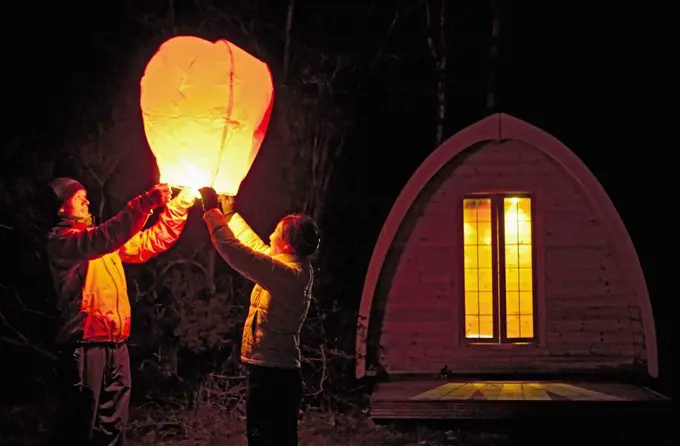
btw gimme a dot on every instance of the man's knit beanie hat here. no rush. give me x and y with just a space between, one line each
64 188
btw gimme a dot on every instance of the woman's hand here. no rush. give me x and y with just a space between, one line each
209 198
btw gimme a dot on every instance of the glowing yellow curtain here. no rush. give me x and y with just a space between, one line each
206 108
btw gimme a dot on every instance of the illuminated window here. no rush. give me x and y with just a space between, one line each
498 268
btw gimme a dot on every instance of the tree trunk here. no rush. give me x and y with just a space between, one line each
438 53
286 50
491 98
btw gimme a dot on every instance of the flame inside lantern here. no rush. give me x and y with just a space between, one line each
206 108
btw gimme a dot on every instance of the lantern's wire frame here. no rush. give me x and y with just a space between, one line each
229 111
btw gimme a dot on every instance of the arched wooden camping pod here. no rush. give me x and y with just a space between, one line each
566 294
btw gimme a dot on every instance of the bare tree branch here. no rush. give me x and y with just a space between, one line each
22 340
381 50
25 308
322 378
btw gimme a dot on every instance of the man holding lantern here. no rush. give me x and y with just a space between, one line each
86 262
283 277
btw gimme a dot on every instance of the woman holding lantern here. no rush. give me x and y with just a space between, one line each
283 277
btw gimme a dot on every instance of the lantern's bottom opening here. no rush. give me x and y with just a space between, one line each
192 189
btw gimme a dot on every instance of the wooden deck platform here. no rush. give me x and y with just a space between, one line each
471 399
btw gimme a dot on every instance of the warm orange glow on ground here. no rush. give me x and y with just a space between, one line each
206 108
519 299
478 268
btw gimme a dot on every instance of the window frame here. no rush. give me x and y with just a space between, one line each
498 265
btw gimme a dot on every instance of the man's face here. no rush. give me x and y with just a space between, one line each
77 206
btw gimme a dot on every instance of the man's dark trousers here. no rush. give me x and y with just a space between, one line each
94 394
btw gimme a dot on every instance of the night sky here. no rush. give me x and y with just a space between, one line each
579 73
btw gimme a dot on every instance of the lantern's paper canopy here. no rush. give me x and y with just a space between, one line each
206 108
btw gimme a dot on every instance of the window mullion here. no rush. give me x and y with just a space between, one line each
499 265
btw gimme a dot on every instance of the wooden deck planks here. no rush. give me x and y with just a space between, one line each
507 399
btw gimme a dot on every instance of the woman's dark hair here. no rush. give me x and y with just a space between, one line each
303 234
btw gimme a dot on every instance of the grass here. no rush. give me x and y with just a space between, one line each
212 426
208 426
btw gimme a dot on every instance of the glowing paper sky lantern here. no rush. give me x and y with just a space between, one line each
206 108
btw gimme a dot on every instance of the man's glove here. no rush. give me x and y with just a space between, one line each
155 197
209 198
227 203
